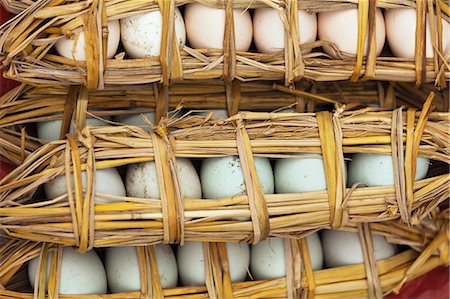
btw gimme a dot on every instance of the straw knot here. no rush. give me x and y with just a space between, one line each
330 135
162 131
170 192
258 207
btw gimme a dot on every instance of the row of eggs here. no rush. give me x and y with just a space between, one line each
204 27
222 177
87 274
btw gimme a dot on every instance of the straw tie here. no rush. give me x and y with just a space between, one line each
217 271
295 67
149 277
366 31
169 187
420 47
370 263
413 139
330 135
82 207
170 59
258 207
307 267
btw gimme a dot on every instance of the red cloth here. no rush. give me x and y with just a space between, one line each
432 285
5 84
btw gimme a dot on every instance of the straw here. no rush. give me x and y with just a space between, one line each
26 46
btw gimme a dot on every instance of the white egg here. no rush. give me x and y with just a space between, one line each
401 33
137 119
222 177
295 175
267 258
142 34
142 181
216 113
107 181
74 47
122 268
80 273
50 130
342 248
191 262
269 33
341 28
377 170
205 27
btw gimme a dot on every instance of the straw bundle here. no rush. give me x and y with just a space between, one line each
370 279
74 219
26 104
28 39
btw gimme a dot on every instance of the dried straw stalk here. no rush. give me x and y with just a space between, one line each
366 280
73 219
25 104
28 39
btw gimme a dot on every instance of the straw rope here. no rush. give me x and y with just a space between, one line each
28 38
370 279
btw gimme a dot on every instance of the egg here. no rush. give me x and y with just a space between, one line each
137 119
267 258
296 175
74 47
81 274
205 27
401 33
107 181
377 170
191 262
142 181
269 33
216 114
341 28
222 177
50 130
342 248
142 34
122 268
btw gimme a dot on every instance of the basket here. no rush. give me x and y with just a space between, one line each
74 219
28 38
370 279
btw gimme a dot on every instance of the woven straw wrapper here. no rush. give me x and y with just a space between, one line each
26 105
28 38
74 219
371 279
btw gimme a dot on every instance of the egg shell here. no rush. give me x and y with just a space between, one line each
267 258
341 28
342 248
137 119
205 27
142 34
191 262
122 268
74 47
142 180
269 33
401 33
107 181
294 175
377 170
222 177
216 113
81 274
50 130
